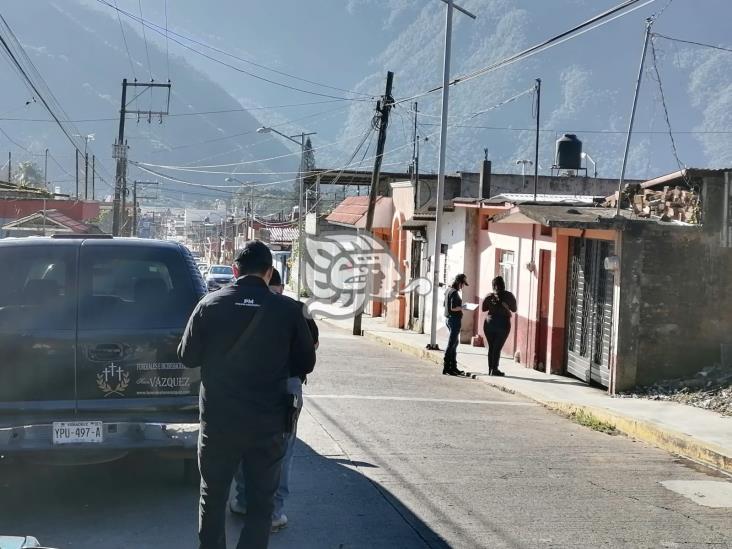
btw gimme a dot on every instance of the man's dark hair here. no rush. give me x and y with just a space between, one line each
253 259
276 279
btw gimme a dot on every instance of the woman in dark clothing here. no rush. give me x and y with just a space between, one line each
497 325
453 318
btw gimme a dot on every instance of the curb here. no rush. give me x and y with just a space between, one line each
646 431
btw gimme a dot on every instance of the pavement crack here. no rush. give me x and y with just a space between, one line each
661 507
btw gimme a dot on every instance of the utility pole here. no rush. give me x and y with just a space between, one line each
383 107
441 168
415 154
93 176
77 173
45 170
120 146
10 170
86 176
536 147
134 202
120 154
649 24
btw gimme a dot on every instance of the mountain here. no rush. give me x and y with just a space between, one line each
79 53
587 83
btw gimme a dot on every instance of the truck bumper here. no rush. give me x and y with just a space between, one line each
119 439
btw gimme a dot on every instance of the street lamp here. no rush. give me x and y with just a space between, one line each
523 164
301 207
586 156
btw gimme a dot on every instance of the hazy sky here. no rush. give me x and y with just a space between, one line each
349 44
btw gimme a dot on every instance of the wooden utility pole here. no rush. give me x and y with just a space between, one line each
383 107
77 173
93 177
120 146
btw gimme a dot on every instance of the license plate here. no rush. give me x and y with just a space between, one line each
71 432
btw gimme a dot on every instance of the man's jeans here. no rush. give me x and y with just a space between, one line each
454 324
219 455
294 386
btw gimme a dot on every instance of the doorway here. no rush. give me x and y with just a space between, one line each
590 313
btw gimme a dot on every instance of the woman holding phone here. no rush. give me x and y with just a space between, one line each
500 306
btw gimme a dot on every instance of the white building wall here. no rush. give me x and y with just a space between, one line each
453 234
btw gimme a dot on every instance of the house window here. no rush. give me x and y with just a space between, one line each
506 267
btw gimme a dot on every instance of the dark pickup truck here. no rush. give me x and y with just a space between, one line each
88 333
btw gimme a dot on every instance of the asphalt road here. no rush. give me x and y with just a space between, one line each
395 455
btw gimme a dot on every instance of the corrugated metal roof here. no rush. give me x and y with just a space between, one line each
518 198
351 210
282 234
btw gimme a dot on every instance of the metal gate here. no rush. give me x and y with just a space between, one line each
590 311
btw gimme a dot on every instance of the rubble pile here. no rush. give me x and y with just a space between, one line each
669 204
710 388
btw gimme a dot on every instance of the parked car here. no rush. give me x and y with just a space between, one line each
218 276
89 328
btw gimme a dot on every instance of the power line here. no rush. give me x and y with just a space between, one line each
196 113
167 50
578 131
144 37
597 21
701 44
155 28
662 95
124 39
34 83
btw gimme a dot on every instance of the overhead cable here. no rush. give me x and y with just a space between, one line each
597 21
156 28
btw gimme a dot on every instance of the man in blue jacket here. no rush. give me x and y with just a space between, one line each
247 341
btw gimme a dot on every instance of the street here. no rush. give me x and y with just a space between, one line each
393 454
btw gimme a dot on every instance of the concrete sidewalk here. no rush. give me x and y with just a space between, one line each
690 432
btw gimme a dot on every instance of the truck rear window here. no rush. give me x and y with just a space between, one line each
133 288
37 288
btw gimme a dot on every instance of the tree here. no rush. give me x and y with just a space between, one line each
28 174
307 162
308 156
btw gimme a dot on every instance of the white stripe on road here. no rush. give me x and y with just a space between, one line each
417 399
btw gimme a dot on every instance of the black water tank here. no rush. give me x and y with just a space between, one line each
569 152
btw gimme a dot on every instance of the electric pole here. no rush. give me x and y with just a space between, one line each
120 146
649 24
440 200
134 202
45 170
120 154
383 107
77 173
538 131
93 176
86 176
10 170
